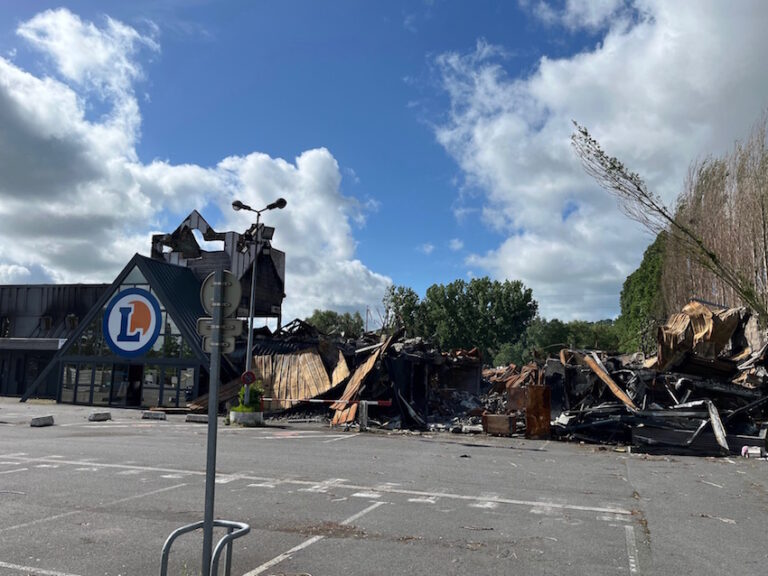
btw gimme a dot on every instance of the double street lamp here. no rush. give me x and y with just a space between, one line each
280 203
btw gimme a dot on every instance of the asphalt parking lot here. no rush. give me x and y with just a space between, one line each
83 498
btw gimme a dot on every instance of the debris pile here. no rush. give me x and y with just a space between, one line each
705 392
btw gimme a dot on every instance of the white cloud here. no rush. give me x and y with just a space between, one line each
455 244
409 23
426 248
13 274
76 202
683 80
575 14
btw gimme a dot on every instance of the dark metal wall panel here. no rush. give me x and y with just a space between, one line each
40 311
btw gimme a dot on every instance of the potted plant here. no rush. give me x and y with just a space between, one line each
248 414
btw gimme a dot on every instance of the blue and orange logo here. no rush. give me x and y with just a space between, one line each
132 322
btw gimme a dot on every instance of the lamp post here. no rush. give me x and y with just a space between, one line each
280 203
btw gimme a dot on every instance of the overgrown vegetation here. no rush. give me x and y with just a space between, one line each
717 234
255 395
642 301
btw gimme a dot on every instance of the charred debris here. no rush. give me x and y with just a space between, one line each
704 392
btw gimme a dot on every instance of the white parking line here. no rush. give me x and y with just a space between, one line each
285 555
73 512
323 487
634 567
369 495
342 437
537 505
12 471
34 570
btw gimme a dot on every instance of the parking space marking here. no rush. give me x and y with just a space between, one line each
535 506
429 500
369 495
322 487
34 570
487 504
73 512
340 437
12 471
634 566
286 555
227 478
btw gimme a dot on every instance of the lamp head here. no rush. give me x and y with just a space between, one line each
280 203
237 205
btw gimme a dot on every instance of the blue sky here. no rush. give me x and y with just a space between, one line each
440 128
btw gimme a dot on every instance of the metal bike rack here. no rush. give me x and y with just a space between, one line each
234 530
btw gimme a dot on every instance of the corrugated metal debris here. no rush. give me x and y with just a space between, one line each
705 392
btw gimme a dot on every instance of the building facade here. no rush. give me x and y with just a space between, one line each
134 342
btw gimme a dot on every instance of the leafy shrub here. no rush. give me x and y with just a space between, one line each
254 401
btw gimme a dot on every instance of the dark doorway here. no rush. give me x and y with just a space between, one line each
135 379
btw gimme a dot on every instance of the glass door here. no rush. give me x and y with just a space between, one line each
119 385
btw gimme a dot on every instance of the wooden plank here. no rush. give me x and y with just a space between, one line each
278 377
340 371
318 376
295 380
597 367
306 378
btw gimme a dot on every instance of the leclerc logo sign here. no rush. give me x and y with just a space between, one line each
132 322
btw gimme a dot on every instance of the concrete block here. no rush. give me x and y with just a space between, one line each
197 418
151 415
41 421
99 416
247 419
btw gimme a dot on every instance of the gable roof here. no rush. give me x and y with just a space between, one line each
177 288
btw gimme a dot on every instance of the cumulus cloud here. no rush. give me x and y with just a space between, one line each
575 14
13 274
455 244
426 248
681 80
76 202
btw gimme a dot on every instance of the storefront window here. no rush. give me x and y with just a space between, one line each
102 380
186 350
187 385
119 384
170 387
135 277
68 383
150 391
84 377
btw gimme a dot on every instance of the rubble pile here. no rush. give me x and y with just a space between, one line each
705 391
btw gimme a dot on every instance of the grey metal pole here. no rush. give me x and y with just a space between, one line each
213 411
248 354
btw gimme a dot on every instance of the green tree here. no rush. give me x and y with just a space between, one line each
331 322
484 313
642 302
403 309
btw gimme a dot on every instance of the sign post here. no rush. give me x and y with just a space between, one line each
220 295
